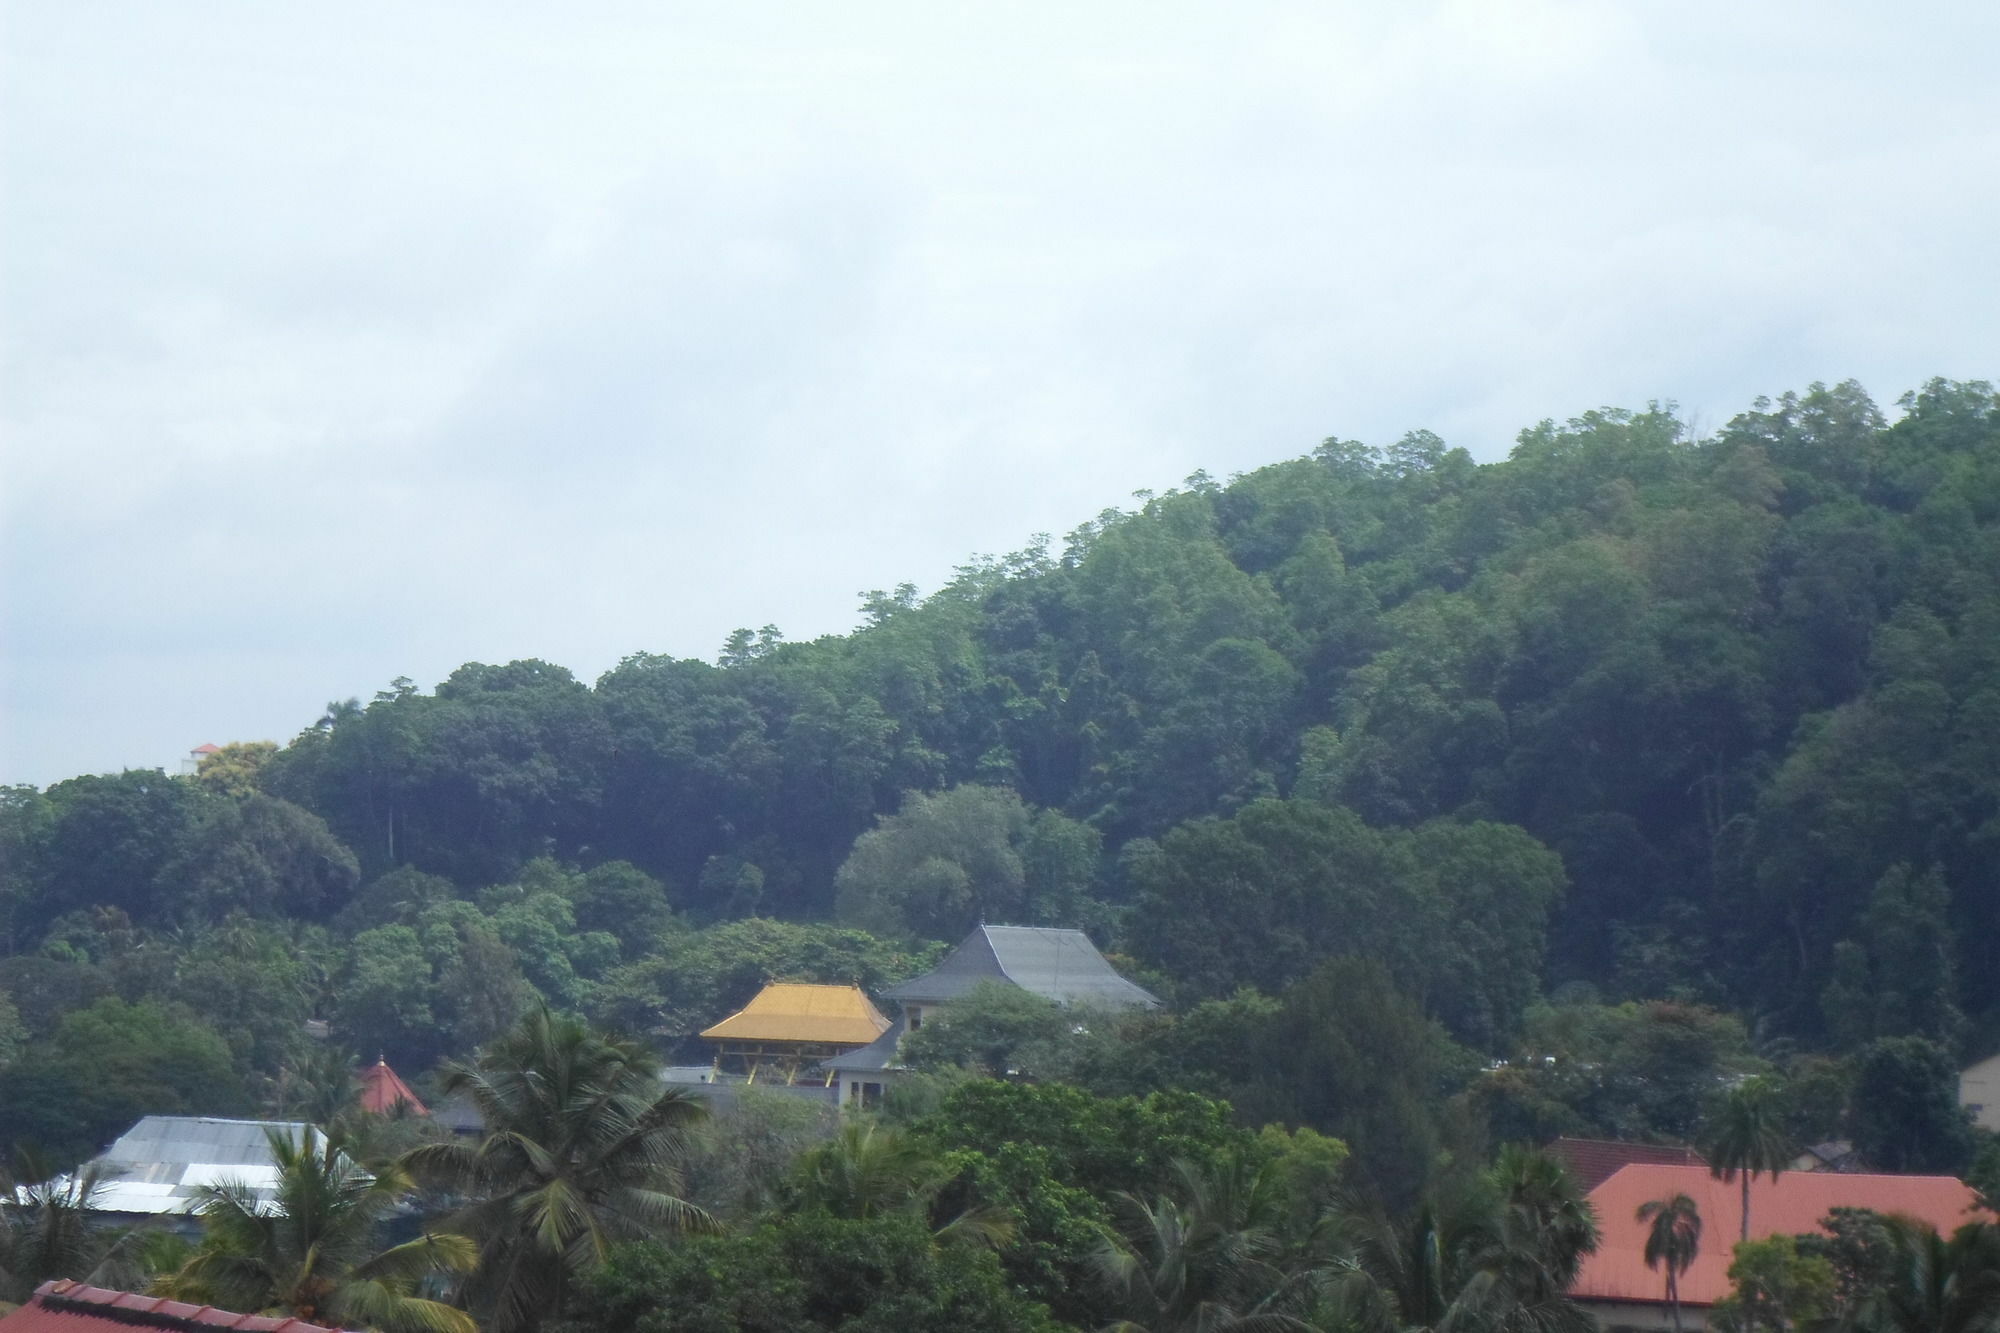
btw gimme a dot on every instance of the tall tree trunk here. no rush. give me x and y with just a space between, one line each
1746 1204
1674 1295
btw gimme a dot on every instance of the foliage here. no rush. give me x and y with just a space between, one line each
1746 1137
800 1274
1775 1288
109 1064
582 1149
311 1254
1673 1241
1905 1114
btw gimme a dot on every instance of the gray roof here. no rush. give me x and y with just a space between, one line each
1062 965
160 1164
877 1054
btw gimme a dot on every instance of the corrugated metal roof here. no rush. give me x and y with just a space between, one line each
791 1011
1062 965
72 1307
1792 1205
1591 1162
160 1164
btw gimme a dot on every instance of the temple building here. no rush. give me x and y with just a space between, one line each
382 1092
1061 966
788 1028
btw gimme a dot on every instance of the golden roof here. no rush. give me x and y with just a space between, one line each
792 1011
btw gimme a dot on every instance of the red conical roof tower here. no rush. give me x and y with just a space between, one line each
382 1091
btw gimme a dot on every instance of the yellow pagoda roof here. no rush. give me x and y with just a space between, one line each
793 1011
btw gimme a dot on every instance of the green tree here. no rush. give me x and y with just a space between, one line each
1775 1288
311 1253
109 1064
939 865
1673 1239
582 1149
1746 1137
1905 1114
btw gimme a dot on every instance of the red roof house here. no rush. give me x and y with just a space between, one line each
71 1307
382 1091
1616 1285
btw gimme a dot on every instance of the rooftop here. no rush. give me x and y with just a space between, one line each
1591 1162
161 1164
1791 1205
72 1307
1062 965
792 1011
382 1091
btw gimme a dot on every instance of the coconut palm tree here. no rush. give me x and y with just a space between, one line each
310 1252
867 1171
1674 1239
1747 1136
1206 1261
583 1148
1936 1285
46 1227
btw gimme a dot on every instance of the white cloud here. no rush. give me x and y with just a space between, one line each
345 346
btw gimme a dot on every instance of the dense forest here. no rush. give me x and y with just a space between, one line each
1447 804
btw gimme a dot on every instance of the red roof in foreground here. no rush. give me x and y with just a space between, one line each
71 1307
1591 1162
1792 1205
382 1091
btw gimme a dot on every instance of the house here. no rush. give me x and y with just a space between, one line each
160 1165
1591 1162
1979 1092
789 1028
383 1092
1616 1286
71 1307
1062 966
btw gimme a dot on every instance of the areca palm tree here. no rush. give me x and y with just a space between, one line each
1747 1137
310 1253
1674 1239
583 1148
1936 1285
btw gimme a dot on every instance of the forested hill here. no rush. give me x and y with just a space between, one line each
1745 688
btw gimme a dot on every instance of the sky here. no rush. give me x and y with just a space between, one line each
342 344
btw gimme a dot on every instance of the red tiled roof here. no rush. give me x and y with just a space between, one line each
1792 1205
71 1307
1591 1162
382 1091
210 748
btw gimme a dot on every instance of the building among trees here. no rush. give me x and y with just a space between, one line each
1061 966
1618 1286
383 1092
63 1306
788 1029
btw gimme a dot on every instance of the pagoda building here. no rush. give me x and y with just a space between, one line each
788 1028
383 1092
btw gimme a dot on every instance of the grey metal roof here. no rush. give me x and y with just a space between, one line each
1062 965
161 1164
876 1055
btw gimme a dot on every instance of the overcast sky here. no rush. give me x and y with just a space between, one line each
349 342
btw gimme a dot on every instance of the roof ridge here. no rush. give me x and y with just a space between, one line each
67 1296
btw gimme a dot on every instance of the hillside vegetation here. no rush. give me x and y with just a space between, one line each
1631 731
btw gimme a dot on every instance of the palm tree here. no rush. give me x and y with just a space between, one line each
1674 1239
1936 1285
1206 1261
583 1147
45 1225
868 1171
1747 1137
310 1252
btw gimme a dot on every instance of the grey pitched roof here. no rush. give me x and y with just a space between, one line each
877 1054
1062 965
160 1164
